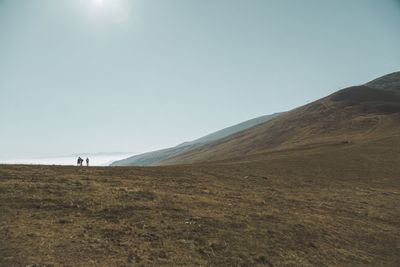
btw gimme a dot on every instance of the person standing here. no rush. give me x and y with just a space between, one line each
87 162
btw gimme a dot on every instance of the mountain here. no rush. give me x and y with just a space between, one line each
389 82
354 114
153 158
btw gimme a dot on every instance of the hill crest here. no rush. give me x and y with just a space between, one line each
359 112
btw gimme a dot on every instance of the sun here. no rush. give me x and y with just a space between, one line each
98 3
110 10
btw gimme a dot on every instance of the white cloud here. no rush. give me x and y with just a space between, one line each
95 159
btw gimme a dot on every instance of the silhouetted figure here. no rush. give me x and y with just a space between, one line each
80 161
87 162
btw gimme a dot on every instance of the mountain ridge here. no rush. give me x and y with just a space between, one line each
153 157
363 111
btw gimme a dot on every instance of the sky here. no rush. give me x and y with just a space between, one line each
139 75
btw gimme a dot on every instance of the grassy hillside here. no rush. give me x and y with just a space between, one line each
352 114
333 204
317 186
154 157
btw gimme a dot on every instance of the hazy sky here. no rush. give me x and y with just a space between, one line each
120 75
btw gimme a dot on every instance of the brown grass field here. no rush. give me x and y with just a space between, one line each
328 204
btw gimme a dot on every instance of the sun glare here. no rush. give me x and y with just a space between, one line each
98 3
109 10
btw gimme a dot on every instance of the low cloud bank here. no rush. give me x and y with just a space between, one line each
95 160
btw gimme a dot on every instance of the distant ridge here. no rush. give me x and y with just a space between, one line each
388 82
153 158
352 114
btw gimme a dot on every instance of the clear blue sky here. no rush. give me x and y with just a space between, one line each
120 75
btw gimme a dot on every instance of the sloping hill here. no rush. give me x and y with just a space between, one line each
389 82
368 111
152 158
321 206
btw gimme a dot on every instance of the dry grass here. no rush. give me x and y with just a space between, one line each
327 205
355 113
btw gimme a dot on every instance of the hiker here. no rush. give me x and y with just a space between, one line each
80 161
87 162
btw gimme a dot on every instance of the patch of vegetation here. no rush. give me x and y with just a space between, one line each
333 205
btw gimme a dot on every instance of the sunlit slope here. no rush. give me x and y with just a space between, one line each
361 112
152 158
